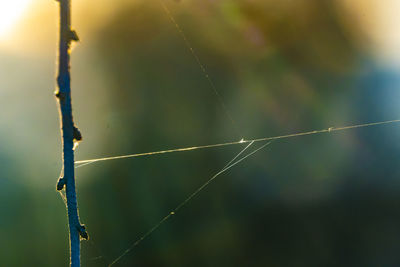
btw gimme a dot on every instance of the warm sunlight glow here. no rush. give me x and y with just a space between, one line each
10 12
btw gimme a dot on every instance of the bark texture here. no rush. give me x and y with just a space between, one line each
69 132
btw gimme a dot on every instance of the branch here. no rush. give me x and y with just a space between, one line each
69 132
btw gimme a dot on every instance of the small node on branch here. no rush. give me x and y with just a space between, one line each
73 36
82 232
77 137
60 96
60 184
77 134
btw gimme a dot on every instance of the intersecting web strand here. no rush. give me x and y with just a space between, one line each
232 162
201 65
81 163
226 110
229 165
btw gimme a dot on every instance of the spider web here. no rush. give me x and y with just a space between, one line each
238 158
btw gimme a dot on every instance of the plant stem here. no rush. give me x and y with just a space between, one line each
68 132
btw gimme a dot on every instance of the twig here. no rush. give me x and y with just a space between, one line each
69 132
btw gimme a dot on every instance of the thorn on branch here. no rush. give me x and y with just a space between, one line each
73 36
60 95
82 232
77 137
60 183
77 134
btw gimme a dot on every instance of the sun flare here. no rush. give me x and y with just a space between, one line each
10 12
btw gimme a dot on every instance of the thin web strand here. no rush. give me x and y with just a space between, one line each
100 257
229 165
201 65
240 153
82 163
173 212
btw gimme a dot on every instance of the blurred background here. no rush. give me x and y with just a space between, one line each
279 67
